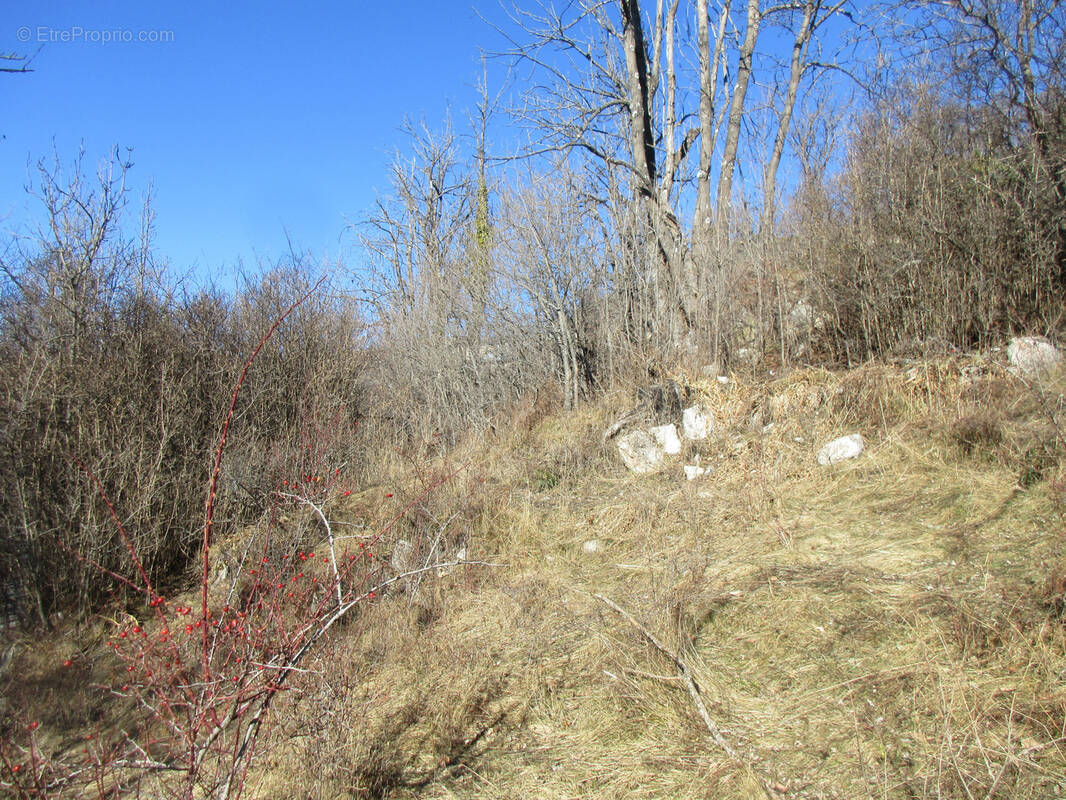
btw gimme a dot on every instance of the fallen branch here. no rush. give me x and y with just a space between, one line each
686 676
290 663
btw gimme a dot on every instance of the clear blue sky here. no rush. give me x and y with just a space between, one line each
253 119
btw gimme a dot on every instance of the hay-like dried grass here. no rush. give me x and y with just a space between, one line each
885 627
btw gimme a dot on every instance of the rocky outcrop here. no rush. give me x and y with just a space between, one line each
645 450
1032 356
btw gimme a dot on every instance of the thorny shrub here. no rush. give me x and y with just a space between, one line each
204 673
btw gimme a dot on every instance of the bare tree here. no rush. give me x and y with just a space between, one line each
811 18
549 253
736 110
608 90
709 64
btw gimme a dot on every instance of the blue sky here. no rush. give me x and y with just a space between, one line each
253 120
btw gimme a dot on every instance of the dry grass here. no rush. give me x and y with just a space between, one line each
887 627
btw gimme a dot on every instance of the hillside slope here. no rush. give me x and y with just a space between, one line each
885 627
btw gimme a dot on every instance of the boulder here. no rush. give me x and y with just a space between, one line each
640 452
1032 356
693 471
841 449
697 423
666 438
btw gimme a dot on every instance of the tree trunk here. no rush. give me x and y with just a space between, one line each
672 154
663 226
701 222
641 138
736 112
798 62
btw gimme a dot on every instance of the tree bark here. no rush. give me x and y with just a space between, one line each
796 67
701 222
672 154
642 143
736 112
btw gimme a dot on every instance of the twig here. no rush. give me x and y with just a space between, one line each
291 662
329 535
686 675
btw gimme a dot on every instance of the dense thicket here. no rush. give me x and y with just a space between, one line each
910 216
944 230
114 383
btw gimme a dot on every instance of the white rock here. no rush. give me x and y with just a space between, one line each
841 449
666 436
723 379
1033 355
697 422
693 471
592 546
640 452
799 319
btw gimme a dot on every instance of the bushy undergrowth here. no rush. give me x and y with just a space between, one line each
110 368
884 627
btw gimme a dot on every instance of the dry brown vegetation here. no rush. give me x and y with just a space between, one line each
527 618
888 627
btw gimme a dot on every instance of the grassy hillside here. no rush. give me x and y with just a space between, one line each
885 627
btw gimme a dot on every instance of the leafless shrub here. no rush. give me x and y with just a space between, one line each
106 366
942 236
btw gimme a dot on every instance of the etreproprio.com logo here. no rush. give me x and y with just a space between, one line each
43 34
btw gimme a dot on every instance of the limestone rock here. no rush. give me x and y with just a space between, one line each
841 449
697 423
640 452
666 438
693 471
1033 355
